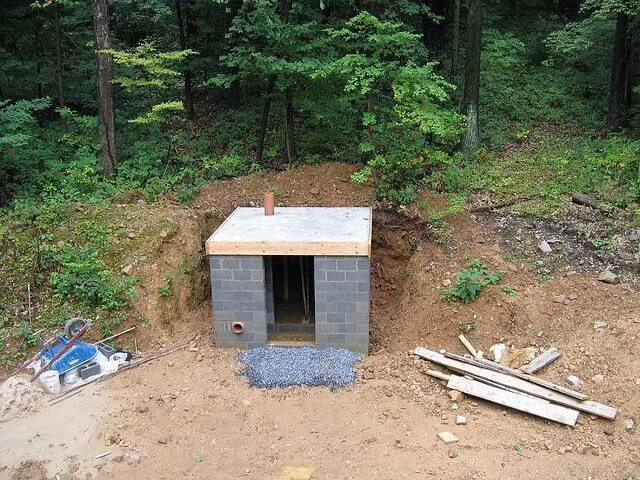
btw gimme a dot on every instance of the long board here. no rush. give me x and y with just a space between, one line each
524 403
519 384
483 363
542 360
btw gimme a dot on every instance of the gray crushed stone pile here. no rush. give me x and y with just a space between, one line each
272 367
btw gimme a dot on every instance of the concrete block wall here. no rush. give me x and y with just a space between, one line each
342 288
239 295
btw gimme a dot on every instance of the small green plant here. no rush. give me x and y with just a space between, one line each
509 290
466 327
471 281
166 289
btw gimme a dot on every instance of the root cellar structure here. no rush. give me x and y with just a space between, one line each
301 275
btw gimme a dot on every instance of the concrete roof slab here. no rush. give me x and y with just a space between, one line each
294 231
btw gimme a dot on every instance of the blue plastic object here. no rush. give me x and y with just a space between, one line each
80 353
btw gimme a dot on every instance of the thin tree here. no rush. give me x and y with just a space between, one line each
104 64
183 32
471 95
59 59
455 42
620 85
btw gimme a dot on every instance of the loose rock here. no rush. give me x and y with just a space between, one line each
461 420
545 247
607 276
448 437
575 381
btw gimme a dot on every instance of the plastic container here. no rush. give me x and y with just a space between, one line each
71 377
50 381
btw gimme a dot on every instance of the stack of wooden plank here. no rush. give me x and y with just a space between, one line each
512 388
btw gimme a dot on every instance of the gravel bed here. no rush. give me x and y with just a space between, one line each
272 367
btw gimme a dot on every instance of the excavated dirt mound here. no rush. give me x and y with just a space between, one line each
18 396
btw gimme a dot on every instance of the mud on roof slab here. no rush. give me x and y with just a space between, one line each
294 231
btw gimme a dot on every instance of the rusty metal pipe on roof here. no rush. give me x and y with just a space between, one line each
269 203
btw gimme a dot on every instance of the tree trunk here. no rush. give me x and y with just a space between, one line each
106 123
59 61
182 29
264 122
434 32
472 76
289 138
455 44
620 91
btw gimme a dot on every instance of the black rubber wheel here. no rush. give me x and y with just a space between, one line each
74 325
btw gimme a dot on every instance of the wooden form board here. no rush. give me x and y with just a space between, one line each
542 360
294 231
519 384
483 363
524 403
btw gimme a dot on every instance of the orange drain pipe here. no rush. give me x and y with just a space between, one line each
269 203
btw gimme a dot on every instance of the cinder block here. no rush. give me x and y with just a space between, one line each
335 276
106 350
336 338
221 274
252 285
335 317
241 274
243 316
88 370
363 263
232 285
357 276
251 263
347 264
230 263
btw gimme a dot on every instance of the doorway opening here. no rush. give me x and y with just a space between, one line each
290 298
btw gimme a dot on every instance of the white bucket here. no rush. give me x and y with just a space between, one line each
50 381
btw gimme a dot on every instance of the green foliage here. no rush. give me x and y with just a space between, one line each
81 275
17 124
470 282
166 289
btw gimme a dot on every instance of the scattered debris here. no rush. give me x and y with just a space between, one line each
461 420
545 247
542 360
575 381
560 299
513 389
101 455
599 325
468 346
517 357
456 396
629 424
498 350
452 453
607 276
448 437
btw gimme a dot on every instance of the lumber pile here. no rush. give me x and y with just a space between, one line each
517 389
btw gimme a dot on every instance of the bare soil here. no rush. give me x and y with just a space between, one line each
190 415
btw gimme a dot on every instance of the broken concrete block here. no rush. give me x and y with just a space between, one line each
461 420
447 437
